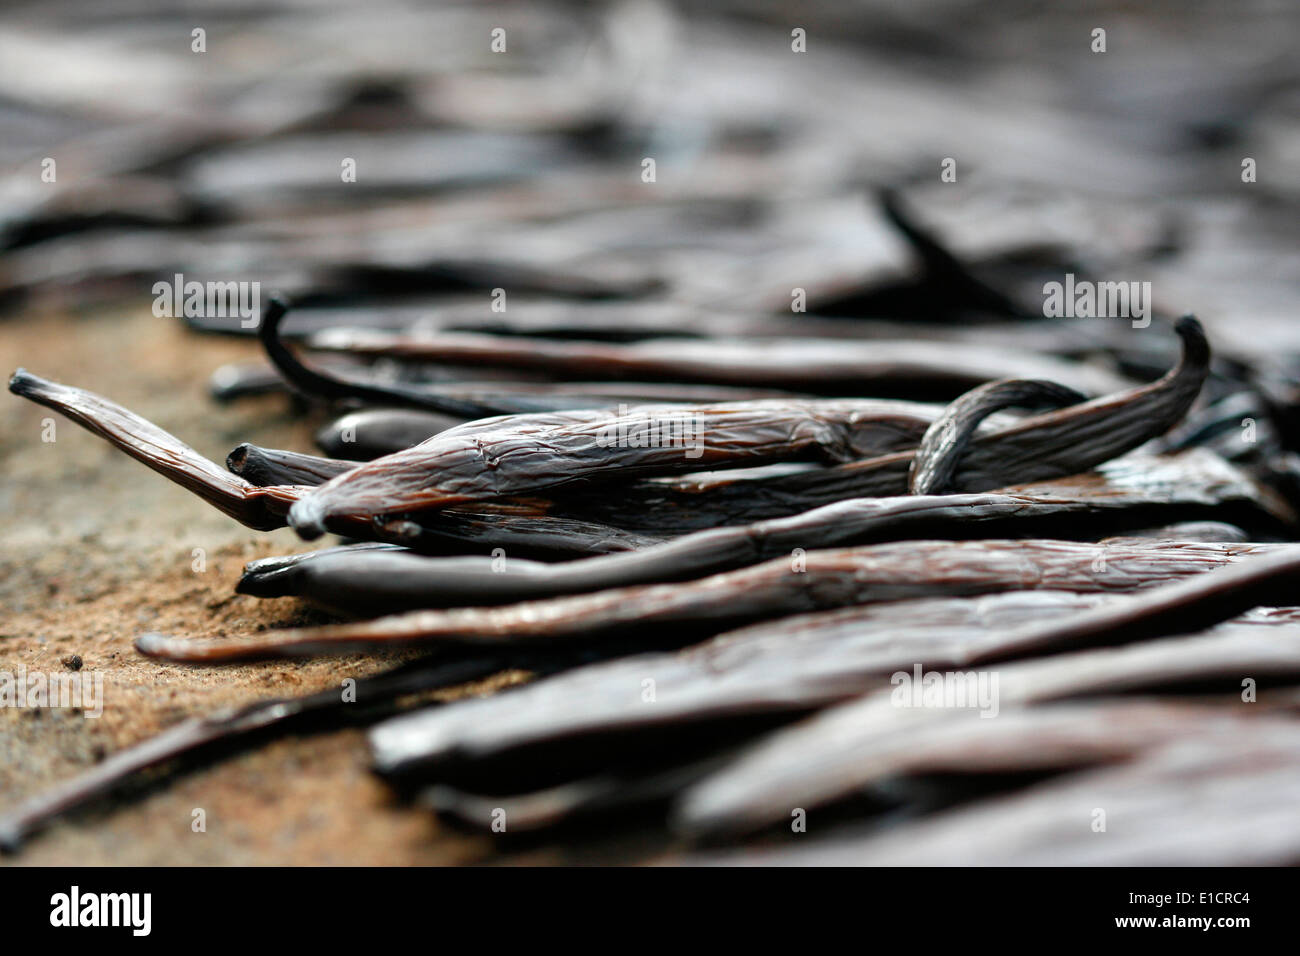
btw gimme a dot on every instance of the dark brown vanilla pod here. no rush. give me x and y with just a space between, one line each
806 661
1190 531
278 563
321 385
528 534
1226 776
831 754
374 697
792 664
1197 802
230 382
371 583
273 466
1050 738
471 401
615 792
946 439
911 369
261 508
374 432
533 454
815 580
1043 447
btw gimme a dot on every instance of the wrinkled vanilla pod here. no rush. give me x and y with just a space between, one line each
806 661
371 583
264 508
261 508
1049 738
946 439
533 454
1042 447
816 580
817 758
1192 768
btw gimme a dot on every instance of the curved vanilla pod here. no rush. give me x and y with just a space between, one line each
946 439
1042 447
374 697
264 508
823 758
471 401
230 382
321 385
273 466
527 455
791 665
945 272
398 580
817 580
261 508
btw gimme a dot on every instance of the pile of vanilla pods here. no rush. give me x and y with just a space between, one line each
754 467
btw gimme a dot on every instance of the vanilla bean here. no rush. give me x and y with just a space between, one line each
1227 778
1038 448
531 454
946 439
263 508
910 369
797 584
377 582
272 466
955 285
373 432
829 755
322 385
806 661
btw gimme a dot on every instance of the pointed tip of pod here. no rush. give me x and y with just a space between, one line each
11 839
273 582
277 307
236 459
307 517
1195 344
152 644
20 380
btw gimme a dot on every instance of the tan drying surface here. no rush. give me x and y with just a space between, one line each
97 549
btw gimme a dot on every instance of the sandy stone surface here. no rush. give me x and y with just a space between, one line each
97 549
